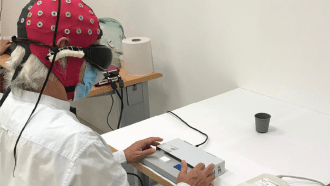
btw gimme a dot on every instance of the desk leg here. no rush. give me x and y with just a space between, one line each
136 179
146 180
136 104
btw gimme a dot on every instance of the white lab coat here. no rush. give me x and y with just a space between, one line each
55 148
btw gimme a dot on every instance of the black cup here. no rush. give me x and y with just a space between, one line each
262 122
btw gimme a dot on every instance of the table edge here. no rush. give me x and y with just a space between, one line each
147 172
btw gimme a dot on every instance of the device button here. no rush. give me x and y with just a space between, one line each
178 166
165 159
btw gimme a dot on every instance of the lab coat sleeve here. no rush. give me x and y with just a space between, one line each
96 165
120 156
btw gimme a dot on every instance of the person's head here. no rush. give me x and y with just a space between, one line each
77 26
34 72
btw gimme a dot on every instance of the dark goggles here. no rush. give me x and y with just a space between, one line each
99 56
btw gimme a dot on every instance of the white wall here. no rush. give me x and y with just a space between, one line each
277 48
289 58
183 49
11 12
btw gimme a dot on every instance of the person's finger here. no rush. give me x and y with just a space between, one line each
144 144
148 152
155 143
146 147
211 177
200 166
209 169
151 140
8 45
184 167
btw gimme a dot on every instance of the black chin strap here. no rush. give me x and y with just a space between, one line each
5 95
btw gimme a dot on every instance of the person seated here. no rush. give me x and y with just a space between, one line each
42 142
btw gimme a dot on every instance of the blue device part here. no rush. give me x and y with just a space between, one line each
178 166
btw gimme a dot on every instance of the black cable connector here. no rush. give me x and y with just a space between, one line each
113 85
121 83
114 73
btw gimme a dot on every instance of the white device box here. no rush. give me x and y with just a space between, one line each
167 159
265 180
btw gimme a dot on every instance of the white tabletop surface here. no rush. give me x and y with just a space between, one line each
297 143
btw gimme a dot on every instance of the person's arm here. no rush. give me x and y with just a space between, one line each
139 147
96 166
4 45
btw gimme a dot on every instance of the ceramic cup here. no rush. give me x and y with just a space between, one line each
262 122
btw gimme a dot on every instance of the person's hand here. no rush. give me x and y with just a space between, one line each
4 45
141 149
197 176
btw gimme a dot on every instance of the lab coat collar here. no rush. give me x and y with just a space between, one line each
32 97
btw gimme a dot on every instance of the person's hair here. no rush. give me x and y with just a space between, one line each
33 74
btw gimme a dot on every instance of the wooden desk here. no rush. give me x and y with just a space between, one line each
128 80
3 59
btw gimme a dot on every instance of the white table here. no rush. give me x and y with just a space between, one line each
297 143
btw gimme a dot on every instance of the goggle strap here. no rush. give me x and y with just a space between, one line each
68 51
31 41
